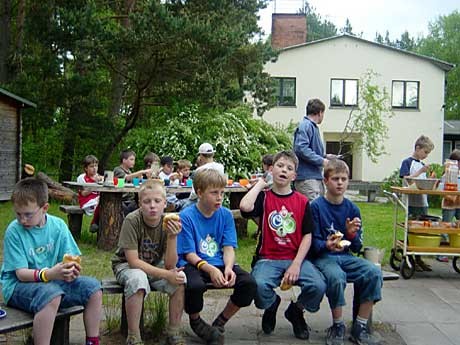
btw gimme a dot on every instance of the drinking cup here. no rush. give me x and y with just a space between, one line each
115 181
136 181
167 181
189 182
229 182
121 182
244 182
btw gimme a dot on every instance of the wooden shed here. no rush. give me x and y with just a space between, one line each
10 140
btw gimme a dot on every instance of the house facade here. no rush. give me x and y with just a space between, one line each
10 141
330 70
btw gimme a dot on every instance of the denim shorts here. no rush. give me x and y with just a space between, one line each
33 297
134 279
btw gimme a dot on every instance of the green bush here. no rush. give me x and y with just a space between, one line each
239 139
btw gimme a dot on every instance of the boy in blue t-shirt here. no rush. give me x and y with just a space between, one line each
332 255
33 276
206 249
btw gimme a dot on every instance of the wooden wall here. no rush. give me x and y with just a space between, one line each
9 148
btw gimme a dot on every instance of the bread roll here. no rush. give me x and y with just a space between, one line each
285 286
170 216
343 243
336 235
71 258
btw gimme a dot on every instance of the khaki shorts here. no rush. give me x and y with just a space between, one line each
312 189
134 279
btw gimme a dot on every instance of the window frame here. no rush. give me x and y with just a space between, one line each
279 96
404 95
344 94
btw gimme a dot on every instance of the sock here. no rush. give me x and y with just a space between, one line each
173 330
92 340
362 321
338 321
134 336
220 321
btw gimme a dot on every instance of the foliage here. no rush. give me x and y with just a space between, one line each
238 139
442 43
367 121
156 313
392 180
317 28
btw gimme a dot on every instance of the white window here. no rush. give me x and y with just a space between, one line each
285 91
405 94
344 92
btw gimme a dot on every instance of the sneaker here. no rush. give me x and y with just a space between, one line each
442 258
205 331
176 339
94 228
359 335
269 317
299 326
335 334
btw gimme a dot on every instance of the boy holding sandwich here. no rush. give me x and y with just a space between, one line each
338 232
34 276
146 259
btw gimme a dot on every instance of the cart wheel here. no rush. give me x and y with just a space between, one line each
395 259
406 271
454 264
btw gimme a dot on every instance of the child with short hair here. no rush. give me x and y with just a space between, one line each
285 228
267 162
206 248
33 276
127 162
414 167
167 171
151 163
183 168
89 200
146 259
333 213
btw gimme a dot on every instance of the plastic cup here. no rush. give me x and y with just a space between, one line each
189 182
167 182
115 181
121 182
244 182
136 181
229 182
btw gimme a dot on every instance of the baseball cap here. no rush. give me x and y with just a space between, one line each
205 148
166 160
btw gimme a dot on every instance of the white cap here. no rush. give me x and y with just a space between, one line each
205 148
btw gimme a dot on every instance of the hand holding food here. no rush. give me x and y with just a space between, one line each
71 258
170 216
343 244
285 286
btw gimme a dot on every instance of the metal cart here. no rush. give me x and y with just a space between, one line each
402 253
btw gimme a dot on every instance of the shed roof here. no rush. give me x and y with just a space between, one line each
22 102
445 66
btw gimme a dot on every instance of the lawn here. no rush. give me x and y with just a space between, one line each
377 222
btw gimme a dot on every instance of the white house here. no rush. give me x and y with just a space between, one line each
329 69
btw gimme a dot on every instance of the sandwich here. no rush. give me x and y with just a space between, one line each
343 244
285 286
71 258
336 235
170 216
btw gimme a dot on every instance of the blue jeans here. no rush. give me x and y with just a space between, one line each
268 275
33 297
448 215
340 269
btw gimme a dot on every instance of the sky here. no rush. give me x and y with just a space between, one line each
369 16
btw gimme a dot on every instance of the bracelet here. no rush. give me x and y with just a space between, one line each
42 275
201 263
36 279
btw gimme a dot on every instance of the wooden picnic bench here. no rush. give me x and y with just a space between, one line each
16 319
74 219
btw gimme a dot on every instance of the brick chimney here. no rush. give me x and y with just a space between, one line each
288 29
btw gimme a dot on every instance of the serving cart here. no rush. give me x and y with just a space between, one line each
402 252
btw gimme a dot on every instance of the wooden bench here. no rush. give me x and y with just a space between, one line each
17 319
369 188
74 219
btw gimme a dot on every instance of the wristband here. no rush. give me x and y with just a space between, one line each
36 278
201 263
45 279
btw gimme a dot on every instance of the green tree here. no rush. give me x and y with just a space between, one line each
366 123
442 42
347 29
317 28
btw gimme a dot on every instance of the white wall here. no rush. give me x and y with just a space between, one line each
313 66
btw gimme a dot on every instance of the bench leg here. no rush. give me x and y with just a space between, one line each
60 335
124 319
371 194
75 222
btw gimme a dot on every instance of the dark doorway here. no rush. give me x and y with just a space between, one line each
334 146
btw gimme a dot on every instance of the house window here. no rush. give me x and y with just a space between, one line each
344 92
405 94
285 91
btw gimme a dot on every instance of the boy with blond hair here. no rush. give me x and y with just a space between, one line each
285 228
146 259
206 247
413 166
337 219
34 277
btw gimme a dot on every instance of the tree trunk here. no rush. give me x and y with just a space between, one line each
57 191
5 40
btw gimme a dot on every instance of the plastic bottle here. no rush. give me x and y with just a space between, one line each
451 175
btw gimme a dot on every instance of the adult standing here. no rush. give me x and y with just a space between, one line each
309 149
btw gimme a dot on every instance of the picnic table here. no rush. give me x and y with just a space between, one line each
111 211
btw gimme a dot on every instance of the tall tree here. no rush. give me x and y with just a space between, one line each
442 42
317 28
